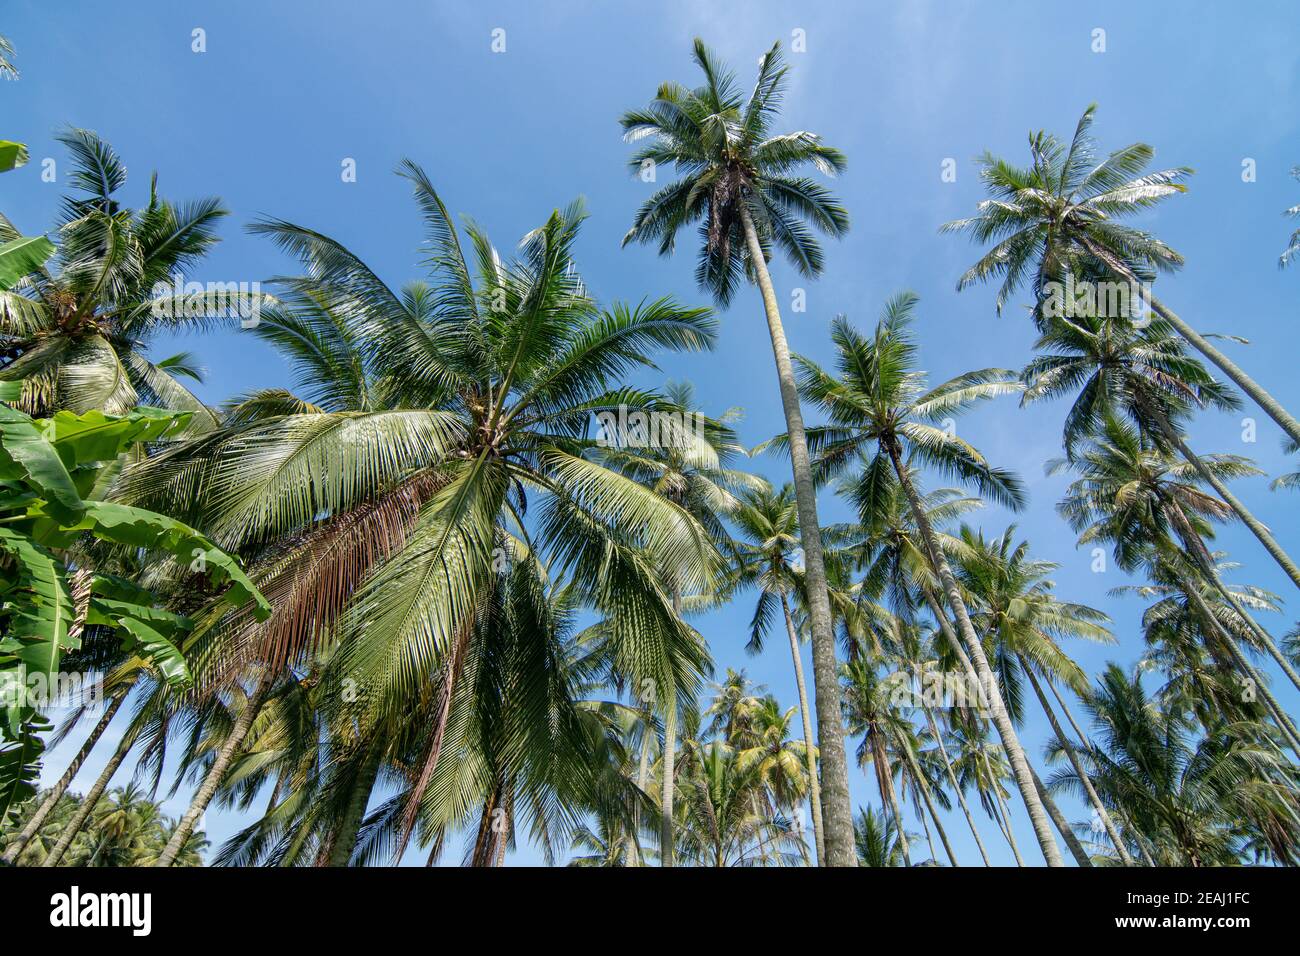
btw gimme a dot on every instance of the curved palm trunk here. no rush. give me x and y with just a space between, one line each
1004 816
1001 719
814 786
225 756
12 853
642 781
838 813
1280 716
666 836
89 800
952 780
885 782
1249 520
1243 381
345 841
925 826
924 786
1083 776
1072 841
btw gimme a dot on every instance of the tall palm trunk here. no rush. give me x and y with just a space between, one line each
814 786
1280 716
923 786
12 853
1247 384
1004 816
1001 719
666 823
956 787
1083 776
225 756
1284 561
885 781
345 841
89 800
1072 841
838 813
642 781
669 761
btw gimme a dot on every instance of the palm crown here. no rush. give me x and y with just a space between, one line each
721 141
1044 219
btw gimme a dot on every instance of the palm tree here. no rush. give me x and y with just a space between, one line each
406 477
1186 796
77 335
1141 374
7 68
1023 619
878 405
1060 216
1293 246
691 468
1148 507
877 840
765 555
736 177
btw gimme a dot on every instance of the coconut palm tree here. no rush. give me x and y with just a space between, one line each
1293 246
1023 620
1148 507
1187 795
1060 216
690 466
1141 374
407 475
77 334
878 406
877 841
738 178
765 554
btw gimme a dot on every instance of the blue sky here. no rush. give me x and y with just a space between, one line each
285 92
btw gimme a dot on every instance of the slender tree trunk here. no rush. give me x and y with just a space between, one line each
956 787
668 760
836 808
1077 765
885 781
1243 381
642 781
924 786
1001 719
925 826
225 756
1280 716
1249 520
89 800
1004 815
810 746
16 848
1076 847
345 841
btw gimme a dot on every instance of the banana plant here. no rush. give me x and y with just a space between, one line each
50 475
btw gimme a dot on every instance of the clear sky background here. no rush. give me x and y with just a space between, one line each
286 91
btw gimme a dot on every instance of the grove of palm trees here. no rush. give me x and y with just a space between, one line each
644 452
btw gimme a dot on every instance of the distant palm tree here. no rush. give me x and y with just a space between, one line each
877 840
1060 216
1293 247
1186 794
766 553
878 406
737 178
